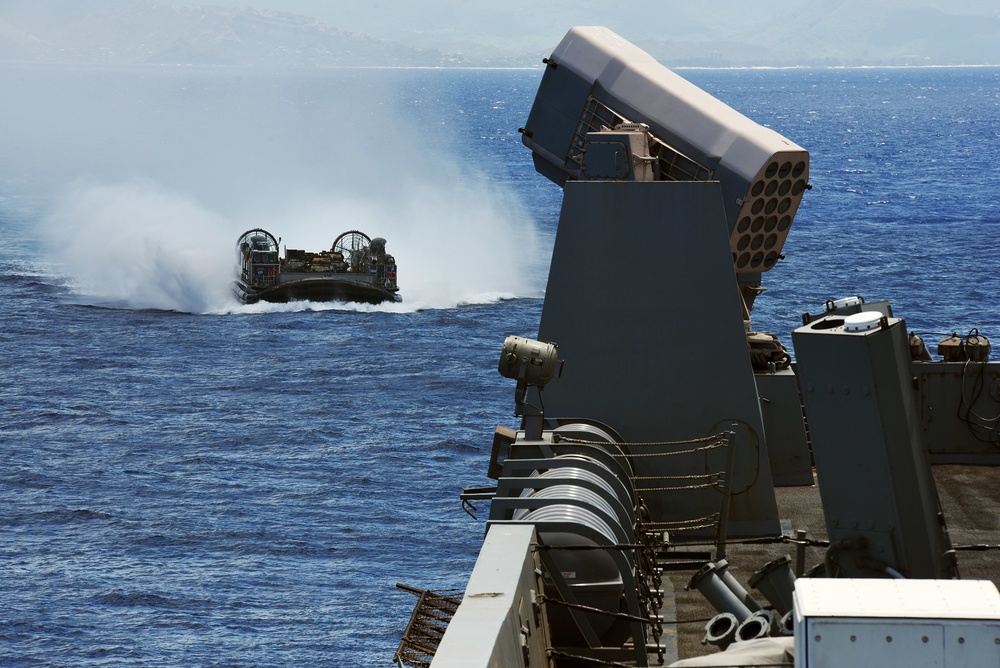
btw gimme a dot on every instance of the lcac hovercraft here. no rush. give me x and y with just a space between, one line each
355 269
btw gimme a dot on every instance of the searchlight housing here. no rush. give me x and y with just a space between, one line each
531 363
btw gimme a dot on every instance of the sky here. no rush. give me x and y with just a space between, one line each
722 31
529 23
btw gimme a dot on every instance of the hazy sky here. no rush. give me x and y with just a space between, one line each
520 22
866 31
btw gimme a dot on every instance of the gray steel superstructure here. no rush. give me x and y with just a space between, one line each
646 465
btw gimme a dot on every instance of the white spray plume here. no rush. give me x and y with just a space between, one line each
305 156
454 244
138 246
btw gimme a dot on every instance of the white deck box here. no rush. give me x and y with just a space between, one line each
852 623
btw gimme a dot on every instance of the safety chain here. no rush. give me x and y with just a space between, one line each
587 608
695 527
559 438
978 547
708 485
691 451
559 654
693 476
669 523
768 541
617 546
644 554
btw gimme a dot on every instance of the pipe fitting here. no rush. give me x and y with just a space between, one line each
722 570
721 630
776 581
707 581
753 628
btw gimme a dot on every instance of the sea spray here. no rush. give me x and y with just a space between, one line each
138 246
178 163
455 243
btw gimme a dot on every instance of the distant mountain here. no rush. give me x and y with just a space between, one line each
843 33
143 32
448 33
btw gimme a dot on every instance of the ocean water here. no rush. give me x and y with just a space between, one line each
191 482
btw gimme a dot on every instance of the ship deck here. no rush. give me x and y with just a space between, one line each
970 501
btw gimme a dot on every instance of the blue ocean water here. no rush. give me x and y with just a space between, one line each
191 482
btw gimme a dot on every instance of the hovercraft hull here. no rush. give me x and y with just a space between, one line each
321 289
355 269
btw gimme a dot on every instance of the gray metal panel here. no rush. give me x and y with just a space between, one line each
553 120
959 403
634 369
787 444
871 463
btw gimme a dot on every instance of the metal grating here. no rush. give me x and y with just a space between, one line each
425 629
